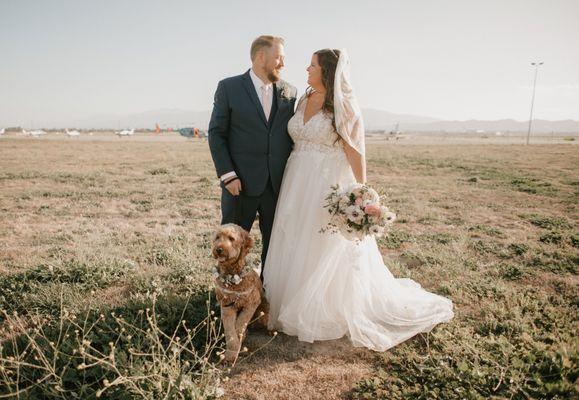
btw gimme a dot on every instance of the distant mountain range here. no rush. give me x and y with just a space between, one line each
166 118
375 120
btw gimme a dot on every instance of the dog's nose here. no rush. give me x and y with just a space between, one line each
219 250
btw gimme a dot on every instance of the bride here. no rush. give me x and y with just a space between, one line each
321 286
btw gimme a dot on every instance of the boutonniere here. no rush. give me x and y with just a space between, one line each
284 91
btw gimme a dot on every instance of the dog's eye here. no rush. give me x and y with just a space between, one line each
232 238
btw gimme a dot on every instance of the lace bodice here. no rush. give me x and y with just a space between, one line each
316 134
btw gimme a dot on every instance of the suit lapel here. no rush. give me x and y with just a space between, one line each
248 84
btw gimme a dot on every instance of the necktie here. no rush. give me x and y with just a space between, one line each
266 101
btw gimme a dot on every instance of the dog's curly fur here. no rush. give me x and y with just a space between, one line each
239 302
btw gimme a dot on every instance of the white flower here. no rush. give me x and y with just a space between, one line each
372 195
376 230
353 219
388 217
355 214
236 279
344 200
284 90
367 202
383 211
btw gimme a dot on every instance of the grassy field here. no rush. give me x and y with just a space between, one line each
105 285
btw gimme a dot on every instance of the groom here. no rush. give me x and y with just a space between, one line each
249 140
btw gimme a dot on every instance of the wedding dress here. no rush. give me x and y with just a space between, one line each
321 286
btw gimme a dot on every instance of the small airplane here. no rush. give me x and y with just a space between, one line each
35 133
125 132
395 133
72 133
192 133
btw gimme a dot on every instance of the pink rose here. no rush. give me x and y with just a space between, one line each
358 201
372 209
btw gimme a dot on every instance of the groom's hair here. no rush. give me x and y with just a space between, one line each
264 41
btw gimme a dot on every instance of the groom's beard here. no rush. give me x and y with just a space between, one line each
274 75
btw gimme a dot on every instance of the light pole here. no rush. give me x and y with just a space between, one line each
533 99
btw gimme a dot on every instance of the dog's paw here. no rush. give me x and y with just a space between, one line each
230 357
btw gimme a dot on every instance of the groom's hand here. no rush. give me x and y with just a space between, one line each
234 187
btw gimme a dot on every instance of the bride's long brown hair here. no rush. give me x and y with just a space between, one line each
328 60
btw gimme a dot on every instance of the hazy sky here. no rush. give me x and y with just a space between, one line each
64 60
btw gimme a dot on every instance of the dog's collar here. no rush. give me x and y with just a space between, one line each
228 279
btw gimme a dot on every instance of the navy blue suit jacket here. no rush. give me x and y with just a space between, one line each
242 140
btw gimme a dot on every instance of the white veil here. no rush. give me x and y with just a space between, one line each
349 123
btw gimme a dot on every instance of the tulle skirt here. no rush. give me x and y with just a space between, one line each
321 286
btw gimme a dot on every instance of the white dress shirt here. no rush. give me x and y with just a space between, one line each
260 86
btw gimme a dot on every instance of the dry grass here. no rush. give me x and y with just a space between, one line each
481 224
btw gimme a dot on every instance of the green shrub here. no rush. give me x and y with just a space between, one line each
546 222
30 291
554 237
168 347
523 348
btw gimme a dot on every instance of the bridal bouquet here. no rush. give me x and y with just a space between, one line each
355 212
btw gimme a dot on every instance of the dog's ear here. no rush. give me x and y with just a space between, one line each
247 241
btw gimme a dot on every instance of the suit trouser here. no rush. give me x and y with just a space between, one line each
249 207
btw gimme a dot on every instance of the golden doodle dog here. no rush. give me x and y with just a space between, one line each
238 287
